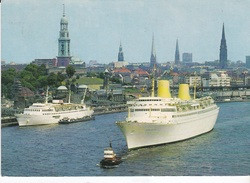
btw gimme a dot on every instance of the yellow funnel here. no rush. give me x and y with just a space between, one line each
163 89
184 92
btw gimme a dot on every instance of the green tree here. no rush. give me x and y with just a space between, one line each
34 76
60 78
101 75
42 71
52 79
91 74
73 80
27 84
8 76
42 81
32 68
29 79
70 70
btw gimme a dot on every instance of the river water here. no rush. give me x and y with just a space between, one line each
76 149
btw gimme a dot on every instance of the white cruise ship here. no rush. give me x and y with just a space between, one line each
50 113
159 120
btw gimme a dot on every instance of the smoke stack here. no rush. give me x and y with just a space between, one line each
163 89
184 92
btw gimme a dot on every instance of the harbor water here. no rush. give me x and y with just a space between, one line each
76 149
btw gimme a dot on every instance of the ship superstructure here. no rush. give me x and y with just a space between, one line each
50 113
163 119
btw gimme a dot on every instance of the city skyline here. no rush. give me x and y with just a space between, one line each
96 29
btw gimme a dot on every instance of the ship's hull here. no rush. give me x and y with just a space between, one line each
29 120
148 134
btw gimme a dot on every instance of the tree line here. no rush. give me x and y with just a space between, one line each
33 77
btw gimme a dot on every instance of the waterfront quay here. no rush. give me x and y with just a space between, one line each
101 110
219 96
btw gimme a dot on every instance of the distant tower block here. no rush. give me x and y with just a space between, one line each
183 92
163 89
63 43
177 54
223 50
153 54
120 54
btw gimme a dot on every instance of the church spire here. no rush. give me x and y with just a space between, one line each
120 53
223 50
153 54
223 33
153 46
177 54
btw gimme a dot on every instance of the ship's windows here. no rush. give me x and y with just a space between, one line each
168 110
155 109
141 109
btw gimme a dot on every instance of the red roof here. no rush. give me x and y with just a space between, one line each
122 70
141 72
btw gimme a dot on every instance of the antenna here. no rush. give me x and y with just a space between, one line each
63 10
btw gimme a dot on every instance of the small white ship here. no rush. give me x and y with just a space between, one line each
51 113
163 119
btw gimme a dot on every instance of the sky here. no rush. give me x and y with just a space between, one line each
30 29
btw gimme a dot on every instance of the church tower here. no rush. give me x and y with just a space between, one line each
64 57
177 54
120 54
153 54
223 50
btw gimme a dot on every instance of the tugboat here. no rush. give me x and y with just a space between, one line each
110 159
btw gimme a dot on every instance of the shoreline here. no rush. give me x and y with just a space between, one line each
12 121
221 101
9 121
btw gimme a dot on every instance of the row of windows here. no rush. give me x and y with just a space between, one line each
162 110
146 110
168 110
32 109
147 104
199 112
60 112
44 110
149 100
38 110
49 113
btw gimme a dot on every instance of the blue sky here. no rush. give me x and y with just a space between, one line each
30 28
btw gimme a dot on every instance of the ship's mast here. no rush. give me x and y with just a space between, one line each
195 77
153 83
83 97
69 95
47 95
